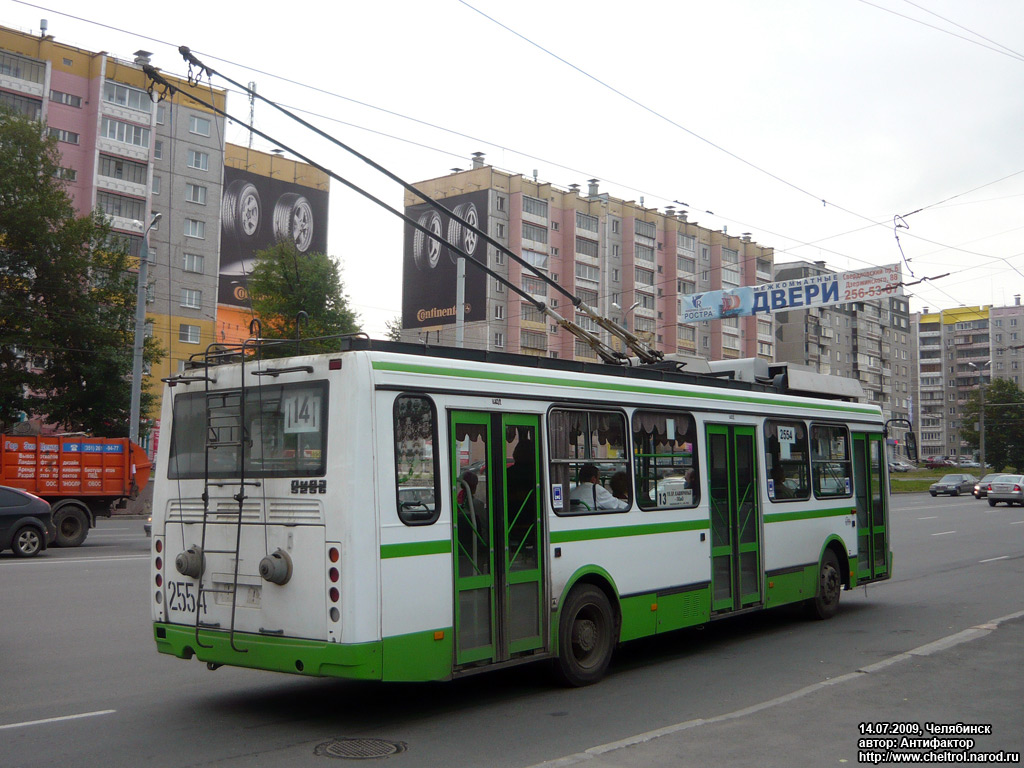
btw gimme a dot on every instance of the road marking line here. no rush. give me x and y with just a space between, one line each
944 533
1017 522
59 719
74 560
993 559
927 518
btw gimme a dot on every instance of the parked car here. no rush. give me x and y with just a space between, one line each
900 466
939 462
982 486
954 485
1008 488
26 523
967 463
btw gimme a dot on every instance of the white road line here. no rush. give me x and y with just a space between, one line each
927 518
78 560
993 559
58 719
944 533
1017 522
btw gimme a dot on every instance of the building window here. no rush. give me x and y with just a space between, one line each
587 272
31 108
643 253
125 96
195 228
126 133
59 97
13 65
195 193
616 226
193 262
536 259
535 233
499 311
66 174
499 339
643 276
198 160
125 170
161 114
68 137
586 247
533 340
586 222
118 205
645 229
191 298
534 286
535 207
198 125
157 183
499 230
188 333
158 150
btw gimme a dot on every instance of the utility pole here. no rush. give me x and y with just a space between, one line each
981 412
140 332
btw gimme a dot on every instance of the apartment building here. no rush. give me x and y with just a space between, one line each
630 262
131 156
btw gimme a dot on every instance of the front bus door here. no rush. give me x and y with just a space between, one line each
735 522
496 534
872 512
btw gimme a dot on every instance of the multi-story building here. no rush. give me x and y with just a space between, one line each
129 156
954 351
1007 331
629 262
870 341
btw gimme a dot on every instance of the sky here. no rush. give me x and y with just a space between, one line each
824 129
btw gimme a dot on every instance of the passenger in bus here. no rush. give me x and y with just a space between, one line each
619 485
690 479
782 491
591 495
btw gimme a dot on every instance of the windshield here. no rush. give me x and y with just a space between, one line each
951 478
281 433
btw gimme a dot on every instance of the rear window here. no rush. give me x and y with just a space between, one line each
279 431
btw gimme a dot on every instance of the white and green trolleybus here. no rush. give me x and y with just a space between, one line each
395 512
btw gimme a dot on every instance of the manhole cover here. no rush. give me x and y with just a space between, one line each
359 749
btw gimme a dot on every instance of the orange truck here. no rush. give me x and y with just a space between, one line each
82 477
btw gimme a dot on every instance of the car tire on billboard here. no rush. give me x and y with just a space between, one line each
458 234
240 209
293 220
426 251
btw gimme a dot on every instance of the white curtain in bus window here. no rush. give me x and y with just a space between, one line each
665 459
415 460
830 461
785 453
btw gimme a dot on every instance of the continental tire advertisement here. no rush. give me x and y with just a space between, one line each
256 212
429 266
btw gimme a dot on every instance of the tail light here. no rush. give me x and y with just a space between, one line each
1016 488
333 577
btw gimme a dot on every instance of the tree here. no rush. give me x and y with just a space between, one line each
393 328
67 297
1004 423
284 283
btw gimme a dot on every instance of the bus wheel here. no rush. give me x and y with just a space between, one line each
585 640
72 526
830 584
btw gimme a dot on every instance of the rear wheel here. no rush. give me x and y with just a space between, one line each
72 526
27 542
830 585
585 636
992 502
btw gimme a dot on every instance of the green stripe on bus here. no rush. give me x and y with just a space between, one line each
589 534
781 517
415 549
614 386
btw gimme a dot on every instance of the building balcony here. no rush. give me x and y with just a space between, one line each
121 186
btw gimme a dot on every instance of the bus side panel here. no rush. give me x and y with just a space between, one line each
415 571
793 545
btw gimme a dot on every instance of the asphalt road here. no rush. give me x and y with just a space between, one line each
81 682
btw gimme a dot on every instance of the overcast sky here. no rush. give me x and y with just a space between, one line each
808 123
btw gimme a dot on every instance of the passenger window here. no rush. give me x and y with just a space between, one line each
831 469
665 460
416 465
786 460
589 462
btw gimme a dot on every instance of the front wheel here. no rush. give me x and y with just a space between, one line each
956 491
933 493
585 636
27 542
830 584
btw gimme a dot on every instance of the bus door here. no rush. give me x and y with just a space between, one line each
496 530
872 512
735 519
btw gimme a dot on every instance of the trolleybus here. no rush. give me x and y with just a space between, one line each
395 512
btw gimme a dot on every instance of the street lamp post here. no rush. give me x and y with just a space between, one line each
140 332
981 412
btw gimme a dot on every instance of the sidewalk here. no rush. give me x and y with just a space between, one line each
975 678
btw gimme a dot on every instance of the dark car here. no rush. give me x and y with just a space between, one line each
954 485
26 524
981 487
1008 488
939 462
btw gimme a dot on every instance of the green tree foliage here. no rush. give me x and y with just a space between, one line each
1004 424
284 283
393 328
67 297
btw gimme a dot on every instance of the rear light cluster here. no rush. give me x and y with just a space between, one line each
158 562
333 577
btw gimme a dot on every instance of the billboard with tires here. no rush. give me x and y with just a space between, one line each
429 263
266 198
